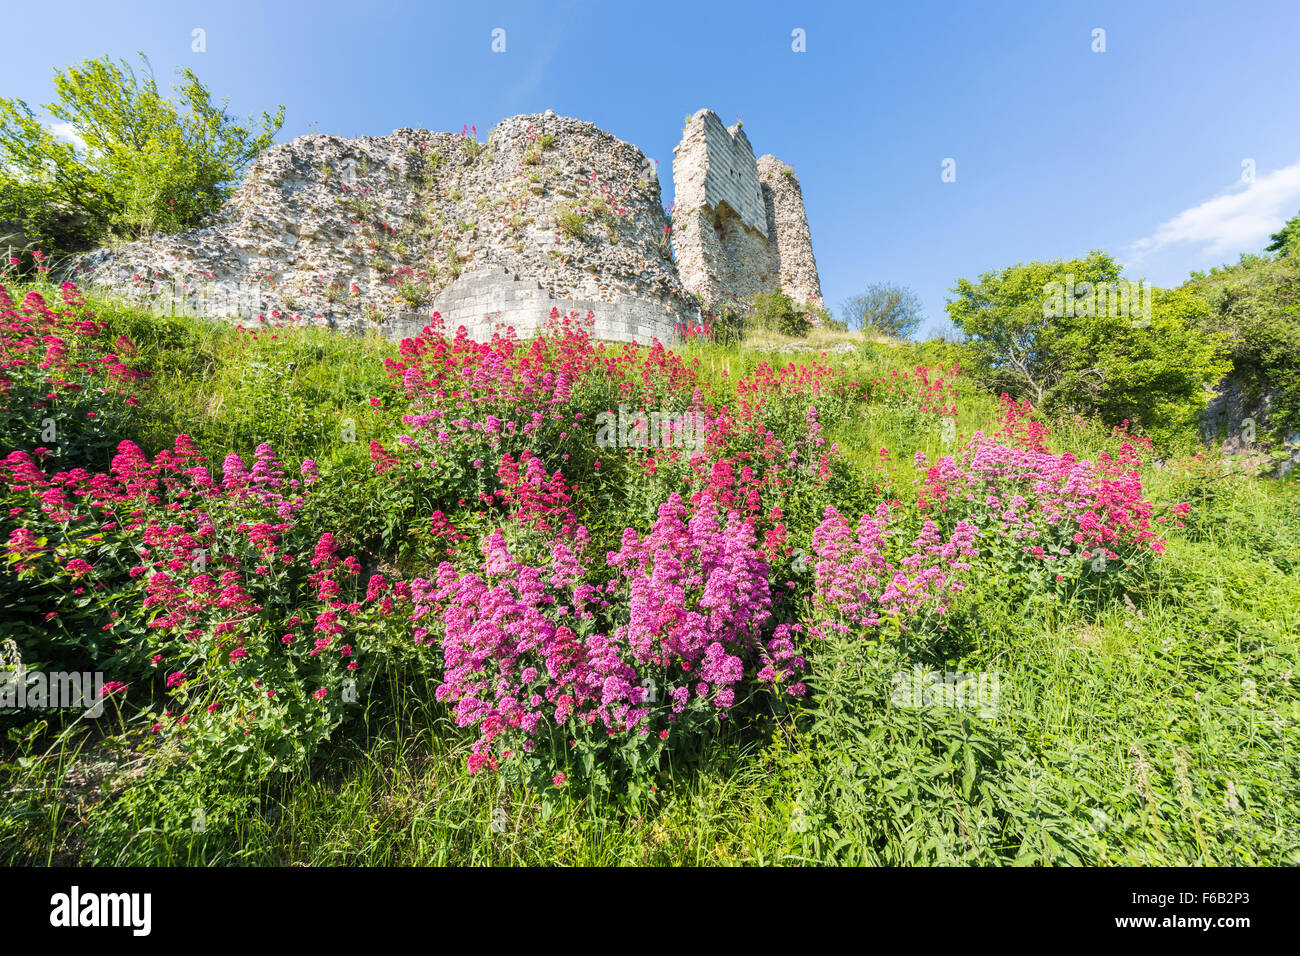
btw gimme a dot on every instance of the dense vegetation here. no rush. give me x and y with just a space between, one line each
1144 359
359 601
131 162
1255 306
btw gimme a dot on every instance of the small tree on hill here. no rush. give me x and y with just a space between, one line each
884 308
141 163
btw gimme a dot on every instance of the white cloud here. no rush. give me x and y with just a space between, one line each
68 133
1240 220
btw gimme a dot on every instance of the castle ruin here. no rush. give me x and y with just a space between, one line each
739 226
550 215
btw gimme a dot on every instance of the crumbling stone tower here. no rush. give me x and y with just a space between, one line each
738 225
788 226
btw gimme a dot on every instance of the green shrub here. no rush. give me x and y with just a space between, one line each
777 312
571 222
412 293
1255 305
1150 369
148 164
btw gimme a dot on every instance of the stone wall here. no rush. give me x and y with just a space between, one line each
719 220
490 300
714 165
346 232
550 212
788 225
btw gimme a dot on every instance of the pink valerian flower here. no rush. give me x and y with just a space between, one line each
862 575
479 759
24 546
1049 507
324 551
77 567
698 593
376 587
236 477
327 622
384 461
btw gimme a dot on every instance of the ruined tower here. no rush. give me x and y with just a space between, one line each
738 224
788 226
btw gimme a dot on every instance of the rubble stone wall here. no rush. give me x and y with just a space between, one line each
349 233
549 213
788 224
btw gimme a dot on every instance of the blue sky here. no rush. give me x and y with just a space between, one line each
1138 150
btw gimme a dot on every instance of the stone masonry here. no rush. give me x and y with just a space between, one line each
366 232
490 300
739 226
795 266
719 220
550 213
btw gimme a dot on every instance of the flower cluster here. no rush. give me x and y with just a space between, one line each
860 580
534 653
65 384
210 581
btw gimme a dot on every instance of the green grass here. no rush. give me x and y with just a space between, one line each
1158 726
231 390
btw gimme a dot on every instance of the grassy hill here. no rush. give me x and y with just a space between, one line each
1126 630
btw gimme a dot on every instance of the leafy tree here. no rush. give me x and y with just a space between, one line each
1015 344
885 308
1256 307
147 165
1148 363
1286 240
